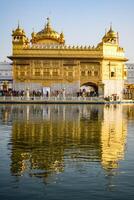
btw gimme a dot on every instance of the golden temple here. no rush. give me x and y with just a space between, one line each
45 61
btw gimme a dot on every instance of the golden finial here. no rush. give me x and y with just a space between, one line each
18 25
111 26
33 34
47 26
117 37
48 21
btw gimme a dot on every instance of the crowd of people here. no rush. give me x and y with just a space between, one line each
40 93
84 93
19 93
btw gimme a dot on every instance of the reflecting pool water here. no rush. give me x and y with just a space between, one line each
56 152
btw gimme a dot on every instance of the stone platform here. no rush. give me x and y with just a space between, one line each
54 100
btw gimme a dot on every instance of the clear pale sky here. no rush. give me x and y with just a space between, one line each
82 21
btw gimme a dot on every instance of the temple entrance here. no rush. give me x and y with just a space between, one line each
89 89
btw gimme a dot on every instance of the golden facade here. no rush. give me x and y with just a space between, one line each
46 61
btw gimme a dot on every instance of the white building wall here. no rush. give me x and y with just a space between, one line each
130 73
112 87
6 74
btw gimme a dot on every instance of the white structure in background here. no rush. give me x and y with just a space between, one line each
6 76
130 73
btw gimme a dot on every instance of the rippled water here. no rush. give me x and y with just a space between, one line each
66 152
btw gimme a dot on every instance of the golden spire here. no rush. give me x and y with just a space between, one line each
48 26
18 25
33 33
117 37
48 20
111 29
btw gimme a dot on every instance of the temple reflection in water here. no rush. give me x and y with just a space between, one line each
47 137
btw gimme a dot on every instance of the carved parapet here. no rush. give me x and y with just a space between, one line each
58 53
61 47
55 46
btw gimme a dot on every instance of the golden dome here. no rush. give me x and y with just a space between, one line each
111 33
19 37
18 32
48 35
110 36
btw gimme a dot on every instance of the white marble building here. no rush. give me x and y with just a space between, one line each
130 73
6 76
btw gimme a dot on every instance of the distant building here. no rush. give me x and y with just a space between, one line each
130 73
6 76
129 83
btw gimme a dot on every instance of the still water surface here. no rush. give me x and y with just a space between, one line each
57 152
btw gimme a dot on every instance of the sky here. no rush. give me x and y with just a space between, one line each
83 21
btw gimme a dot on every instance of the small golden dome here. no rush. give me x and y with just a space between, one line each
111 33
110 36
48 35
18 32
